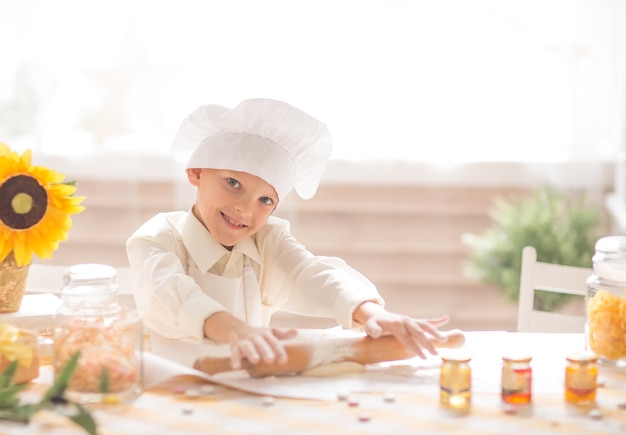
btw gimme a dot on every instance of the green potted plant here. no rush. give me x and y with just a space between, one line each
563 229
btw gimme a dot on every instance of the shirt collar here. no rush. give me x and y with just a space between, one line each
205 250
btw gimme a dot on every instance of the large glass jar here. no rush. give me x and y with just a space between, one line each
107 335
606 301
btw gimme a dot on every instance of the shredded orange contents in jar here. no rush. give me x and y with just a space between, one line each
606 315
102 350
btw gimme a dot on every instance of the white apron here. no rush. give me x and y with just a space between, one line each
241 296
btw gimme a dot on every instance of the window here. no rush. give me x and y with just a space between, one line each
434 81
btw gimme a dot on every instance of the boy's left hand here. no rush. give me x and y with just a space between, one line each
415 334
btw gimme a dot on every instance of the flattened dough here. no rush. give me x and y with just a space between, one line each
334 369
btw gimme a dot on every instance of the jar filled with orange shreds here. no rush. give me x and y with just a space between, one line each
107 336
606 301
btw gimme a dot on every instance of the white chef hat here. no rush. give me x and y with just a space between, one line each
267 138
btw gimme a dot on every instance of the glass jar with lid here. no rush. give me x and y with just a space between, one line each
581 375
455 379
606 301
516 385
107 335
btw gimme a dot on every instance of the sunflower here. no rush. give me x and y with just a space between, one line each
35 207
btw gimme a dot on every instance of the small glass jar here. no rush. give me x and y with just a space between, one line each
455 380
581 374
107 335
20 344
516 386
605 329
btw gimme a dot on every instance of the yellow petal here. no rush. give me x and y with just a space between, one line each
43 237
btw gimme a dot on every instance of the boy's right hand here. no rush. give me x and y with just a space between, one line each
254 344
258 344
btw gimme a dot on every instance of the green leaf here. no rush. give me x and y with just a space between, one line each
27 410
9 396
6 379
14 414
62 380
84 419
104 381
53 399
10 407
8 390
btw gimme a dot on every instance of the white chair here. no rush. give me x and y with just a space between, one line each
555 278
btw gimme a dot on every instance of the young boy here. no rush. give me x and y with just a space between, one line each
217 272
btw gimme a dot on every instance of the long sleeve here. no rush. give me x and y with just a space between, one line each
172 253
297 281
171 301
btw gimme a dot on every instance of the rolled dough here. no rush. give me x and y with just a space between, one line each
334 369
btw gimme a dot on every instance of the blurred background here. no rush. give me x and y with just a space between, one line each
436 108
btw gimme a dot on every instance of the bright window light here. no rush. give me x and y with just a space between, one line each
436 81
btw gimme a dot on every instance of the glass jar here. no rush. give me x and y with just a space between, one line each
455 380
581 374
605 329
21 345
107 335
516 386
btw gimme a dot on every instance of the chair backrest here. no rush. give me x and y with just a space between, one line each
555 278
48 278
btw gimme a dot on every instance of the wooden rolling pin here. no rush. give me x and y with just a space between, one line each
308 354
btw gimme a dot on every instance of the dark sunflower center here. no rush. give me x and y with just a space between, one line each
23 202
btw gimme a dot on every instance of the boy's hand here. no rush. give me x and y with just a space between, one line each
256 344
413 333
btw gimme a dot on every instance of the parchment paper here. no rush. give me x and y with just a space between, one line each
407 376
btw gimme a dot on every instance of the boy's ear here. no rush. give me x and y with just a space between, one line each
193 175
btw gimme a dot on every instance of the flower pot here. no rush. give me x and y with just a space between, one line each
12 284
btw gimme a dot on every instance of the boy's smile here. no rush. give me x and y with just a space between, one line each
235 224
232 205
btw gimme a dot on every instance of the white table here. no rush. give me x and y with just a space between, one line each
228 410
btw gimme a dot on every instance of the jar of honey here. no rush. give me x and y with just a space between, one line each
581 374
455 380
516 379
605 329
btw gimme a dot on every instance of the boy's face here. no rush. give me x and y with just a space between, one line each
231 205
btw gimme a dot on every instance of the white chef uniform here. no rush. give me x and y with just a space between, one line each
181 275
